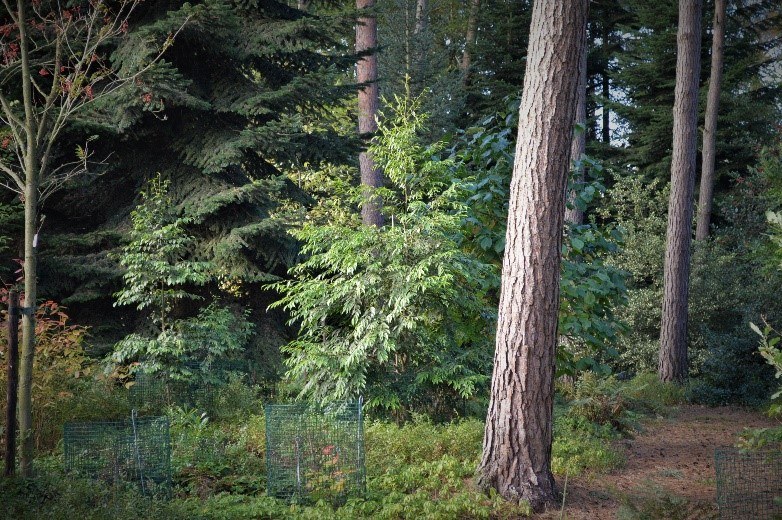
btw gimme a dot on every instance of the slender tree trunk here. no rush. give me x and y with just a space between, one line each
31 167
606 129
673 330
710 127
303 5
13 383
578 146
368 98
469 39
516 457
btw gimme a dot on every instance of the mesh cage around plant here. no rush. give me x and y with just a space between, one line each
315 453
749 484
136 450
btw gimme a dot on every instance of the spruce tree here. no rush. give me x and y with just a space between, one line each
241 96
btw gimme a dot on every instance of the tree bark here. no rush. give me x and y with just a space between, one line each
368 99
13 383
710 127
31 167
421 16
606 128
469 39
578 146
516 457
673 330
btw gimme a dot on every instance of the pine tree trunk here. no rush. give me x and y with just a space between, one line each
469 38
516 457
673 330
710 127
368 98
421 16
578 146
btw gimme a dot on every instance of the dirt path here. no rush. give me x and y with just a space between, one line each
672 458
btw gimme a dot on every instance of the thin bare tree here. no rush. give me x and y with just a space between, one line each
53 67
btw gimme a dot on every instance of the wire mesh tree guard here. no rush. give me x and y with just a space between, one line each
749 484
315 453
136 450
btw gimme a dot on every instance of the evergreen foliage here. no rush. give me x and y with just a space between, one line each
397 313
644 78
242 94
158 275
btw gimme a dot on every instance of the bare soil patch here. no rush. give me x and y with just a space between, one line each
672 456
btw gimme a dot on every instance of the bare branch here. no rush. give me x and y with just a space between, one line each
14 177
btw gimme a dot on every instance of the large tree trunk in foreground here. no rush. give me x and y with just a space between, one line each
578 146
710 127
673 330
366 72
516 457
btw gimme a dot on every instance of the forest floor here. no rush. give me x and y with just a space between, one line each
670 462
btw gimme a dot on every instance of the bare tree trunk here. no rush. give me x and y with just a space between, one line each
31 168
516 457
13 383
469 39
673 330
366 72
710 127
578 146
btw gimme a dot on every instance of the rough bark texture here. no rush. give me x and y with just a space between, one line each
421 16
13 383
673 330
469 38
710 126
31 167
517 443
606 86
366 73
578 146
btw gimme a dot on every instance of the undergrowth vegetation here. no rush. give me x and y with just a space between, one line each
415 469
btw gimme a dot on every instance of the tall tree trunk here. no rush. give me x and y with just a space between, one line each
606 129
469 39
710 127
421 16
578 146
516 457
31 170
366 72
673 330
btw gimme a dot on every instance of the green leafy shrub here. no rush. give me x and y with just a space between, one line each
398 313
591 287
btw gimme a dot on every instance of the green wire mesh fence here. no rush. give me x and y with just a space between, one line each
315 453
137 450
749 484
154 392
